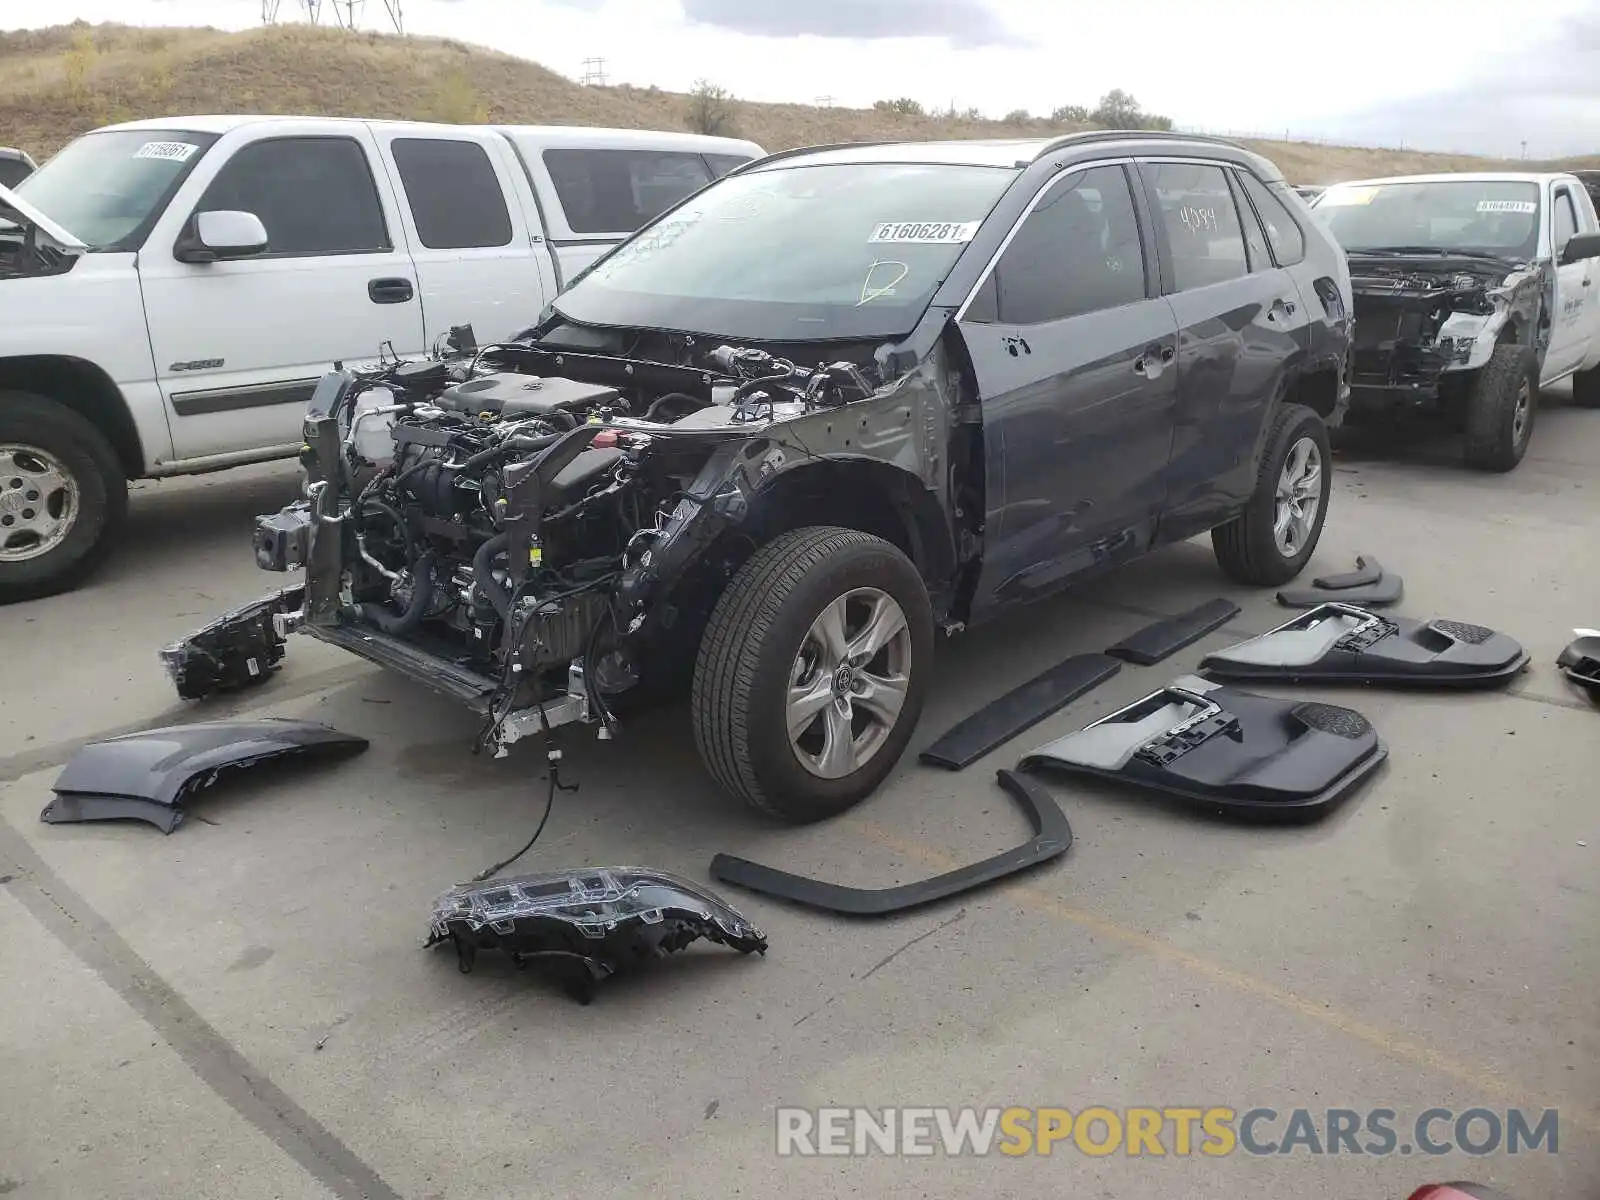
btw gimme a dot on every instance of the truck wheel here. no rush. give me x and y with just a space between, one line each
1272 540
1586 388
812 673
63 497
1501 406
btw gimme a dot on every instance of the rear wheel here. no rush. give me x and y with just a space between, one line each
812 673
1272 540
1501 406
63 497
1586 388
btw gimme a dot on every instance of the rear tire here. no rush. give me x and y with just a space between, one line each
1270 543
819 635
63 497
1586 388
1502 404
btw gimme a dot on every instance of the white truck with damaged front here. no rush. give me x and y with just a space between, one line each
171 290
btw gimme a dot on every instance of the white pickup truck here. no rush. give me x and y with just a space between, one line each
170 291
1472 292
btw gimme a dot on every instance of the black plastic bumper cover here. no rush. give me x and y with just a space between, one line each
1580 660
599 920
1052 837
1343 643
1232 751
148 776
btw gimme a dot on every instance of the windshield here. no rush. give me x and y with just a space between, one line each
107 189
1471 215
802 253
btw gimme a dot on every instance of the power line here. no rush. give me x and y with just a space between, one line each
594 72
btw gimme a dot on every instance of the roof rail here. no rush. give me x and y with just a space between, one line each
1136 135
792 151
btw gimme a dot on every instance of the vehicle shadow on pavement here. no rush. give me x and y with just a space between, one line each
171 522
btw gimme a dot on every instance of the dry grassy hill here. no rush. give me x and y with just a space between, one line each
57 83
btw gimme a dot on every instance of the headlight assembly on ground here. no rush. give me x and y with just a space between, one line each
1157 1132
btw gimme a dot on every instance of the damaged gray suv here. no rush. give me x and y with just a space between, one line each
832 404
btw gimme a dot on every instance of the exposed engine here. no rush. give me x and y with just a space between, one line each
497 521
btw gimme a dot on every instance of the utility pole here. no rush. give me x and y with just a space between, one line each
1524 147
594 72
269 11
396 17
349 19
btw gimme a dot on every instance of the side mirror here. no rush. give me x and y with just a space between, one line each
1579 247
214 236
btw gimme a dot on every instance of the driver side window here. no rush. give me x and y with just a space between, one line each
1566 220
1077 252
315 195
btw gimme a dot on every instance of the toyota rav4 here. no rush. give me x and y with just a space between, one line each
839 401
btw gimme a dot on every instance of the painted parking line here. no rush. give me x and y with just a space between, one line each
1401 1049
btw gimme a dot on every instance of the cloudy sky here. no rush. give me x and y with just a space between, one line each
1471 75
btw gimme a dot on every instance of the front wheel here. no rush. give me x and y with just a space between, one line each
1270 542
813 672
1501 406
63 497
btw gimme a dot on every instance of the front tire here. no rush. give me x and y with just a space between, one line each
1270 543
63 497
813 672
1501 406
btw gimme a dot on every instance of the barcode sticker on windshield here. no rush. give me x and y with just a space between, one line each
936 232
1507 206
170 151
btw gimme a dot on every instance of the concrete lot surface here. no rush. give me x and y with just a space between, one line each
242 1009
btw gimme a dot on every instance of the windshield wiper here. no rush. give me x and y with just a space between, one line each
1401 250
1435 251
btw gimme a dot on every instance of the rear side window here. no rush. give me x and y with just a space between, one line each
315 195
1203 230
1283 231
456 198
618 191
721 164
1566 218
1255 238
1077 252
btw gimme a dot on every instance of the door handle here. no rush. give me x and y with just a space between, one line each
1162 356
390 291
1280 305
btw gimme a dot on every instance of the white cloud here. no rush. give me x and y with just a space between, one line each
1450 74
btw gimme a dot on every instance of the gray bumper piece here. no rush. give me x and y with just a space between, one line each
149 776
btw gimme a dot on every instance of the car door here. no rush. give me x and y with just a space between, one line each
1241 334
1073 352
473 249
240 344
1575 287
